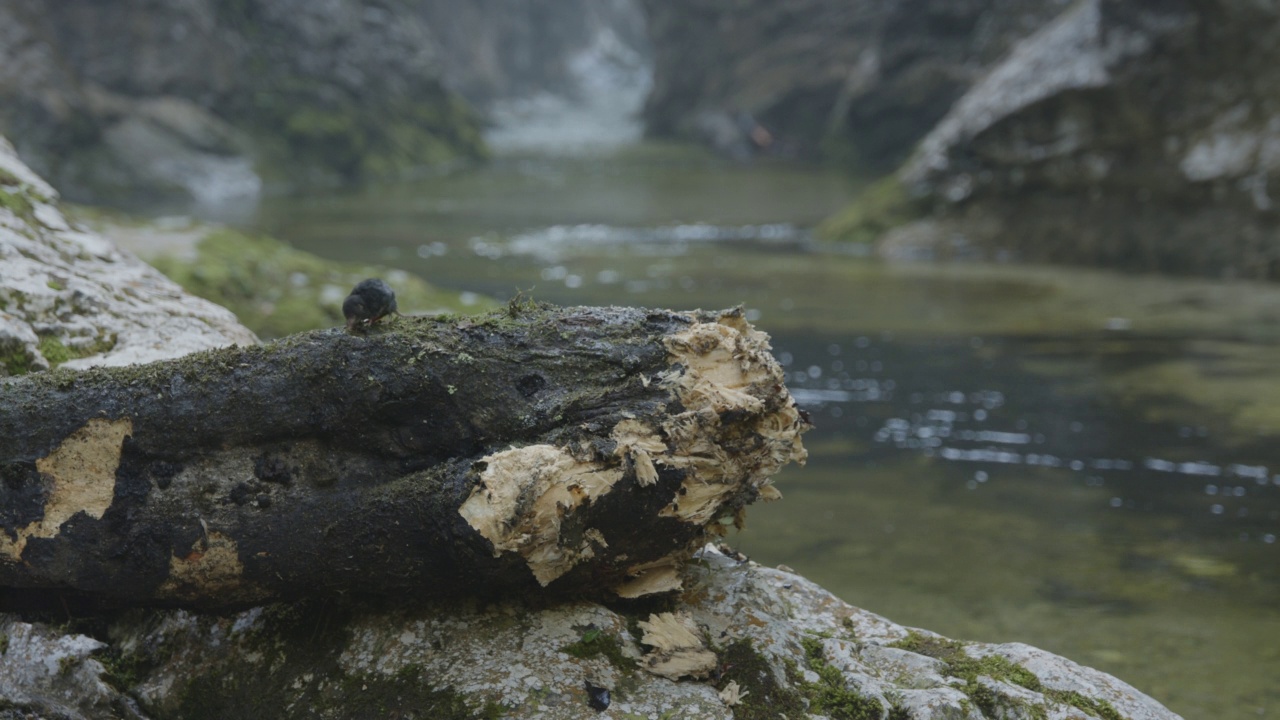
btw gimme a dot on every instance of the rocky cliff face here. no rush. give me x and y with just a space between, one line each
559 76
205 99
210 100
1142 135
862 79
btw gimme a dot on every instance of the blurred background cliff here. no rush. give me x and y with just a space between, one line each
1102 132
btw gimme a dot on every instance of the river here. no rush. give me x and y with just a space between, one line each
1073 459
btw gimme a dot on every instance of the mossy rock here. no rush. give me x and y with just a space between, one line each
349 142
882 206
959 664
277 290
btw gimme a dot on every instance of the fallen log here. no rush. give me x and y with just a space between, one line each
559 450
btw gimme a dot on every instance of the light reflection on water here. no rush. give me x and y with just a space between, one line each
977 468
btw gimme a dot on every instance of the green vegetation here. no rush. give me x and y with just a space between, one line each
597 643
306 130
122 671
276 290
19 204
763 697
830 695
15 361
349 141
880 207
54 351
961 665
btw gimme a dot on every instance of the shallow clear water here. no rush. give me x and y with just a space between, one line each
1071 459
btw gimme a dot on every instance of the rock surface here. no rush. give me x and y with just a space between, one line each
211 101
1138 135
70 297
207 100
502 50
1144 135
861 79
760 643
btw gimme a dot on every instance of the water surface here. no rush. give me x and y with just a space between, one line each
1072 459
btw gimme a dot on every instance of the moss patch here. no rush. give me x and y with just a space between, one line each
19 204
597 643
54 351
348 140
15 361
882 206
830 695
765 698
276 290
961 665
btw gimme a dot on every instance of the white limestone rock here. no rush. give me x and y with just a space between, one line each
70 297
43 671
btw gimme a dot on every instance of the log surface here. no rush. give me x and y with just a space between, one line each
557 450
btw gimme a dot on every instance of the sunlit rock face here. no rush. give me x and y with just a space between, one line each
1143 135
863 79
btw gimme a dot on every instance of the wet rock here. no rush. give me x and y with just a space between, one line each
69 297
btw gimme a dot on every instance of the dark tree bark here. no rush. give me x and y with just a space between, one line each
557 450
